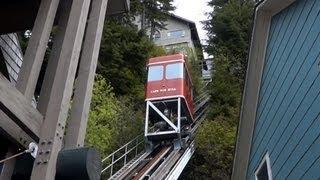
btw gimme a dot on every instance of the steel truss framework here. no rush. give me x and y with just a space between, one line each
176 128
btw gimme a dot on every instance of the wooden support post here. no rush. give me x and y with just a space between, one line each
8 166
14 105
83 87
63 15
15 132
52 130
36 49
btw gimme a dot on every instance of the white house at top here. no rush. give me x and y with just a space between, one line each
179 34
279 130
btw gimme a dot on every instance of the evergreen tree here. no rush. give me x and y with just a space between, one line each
123 55
229 31
153 13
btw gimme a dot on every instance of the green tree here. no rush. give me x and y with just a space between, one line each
102 117
229 30
113 121
153 13
214 151
123 55
224 90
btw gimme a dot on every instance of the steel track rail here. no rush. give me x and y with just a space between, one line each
168 162
154 162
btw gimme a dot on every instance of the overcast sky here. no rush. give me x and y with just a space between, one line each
193 10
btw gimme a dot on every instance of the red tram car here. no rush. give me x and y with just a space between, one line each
169 98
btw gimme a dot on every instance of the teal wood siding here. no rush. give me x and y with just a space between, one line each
287 122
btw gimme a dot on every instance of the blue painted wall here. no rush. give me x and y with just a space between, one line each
288 123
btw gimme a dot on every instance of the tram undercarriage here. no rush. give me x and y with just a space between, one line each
166 120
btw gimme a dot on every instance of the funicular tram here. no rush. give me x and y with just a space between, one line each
169 99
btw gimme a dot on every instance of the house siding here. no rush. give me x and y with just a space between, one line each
174 25
287 120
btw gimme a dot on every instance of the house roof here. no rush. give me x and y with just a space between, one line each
23 13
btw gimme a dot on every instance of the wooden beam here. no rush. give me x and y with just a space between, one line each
63 15
36 49
77 125
18 109
53 128
14 132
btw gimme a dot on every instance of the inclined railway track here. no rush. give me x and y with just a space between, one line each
165 162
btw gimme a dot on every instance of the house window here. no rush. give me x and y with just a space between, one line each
263 172
157 35
176 34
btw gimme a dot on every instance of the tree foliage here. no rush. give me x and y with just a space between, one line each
123 55
112 120
153 12
225 91
229 28
214 149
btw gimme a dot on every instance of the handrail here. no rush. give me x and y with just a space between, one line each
135 143
122 147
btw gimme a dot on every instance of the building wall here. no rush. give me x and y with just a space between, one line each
169 41
167 37
12 54
287 125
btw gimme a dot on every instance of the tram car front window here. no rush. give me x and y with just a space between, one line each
155 73
174 71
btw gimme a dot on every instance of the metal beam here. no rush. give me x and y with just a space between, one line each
163 116
36 49
77 124
52 130
181 164
179 115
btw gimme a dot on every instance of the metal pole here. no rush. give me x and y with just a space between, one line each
111 168
125 155
137 143
147 119
179 115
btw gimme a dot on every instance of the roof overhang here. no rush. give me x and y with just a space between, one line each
117 7
264 12
19 15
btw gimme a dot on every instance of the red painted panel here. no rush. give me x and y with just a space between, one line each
170 87
173 87
166 58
